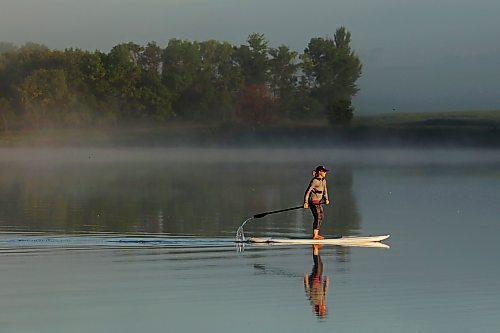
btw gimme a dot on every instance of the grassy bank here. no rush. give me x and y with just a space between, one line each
464 119
480 128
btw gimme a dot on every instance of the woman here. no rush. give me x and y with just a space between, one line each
313 199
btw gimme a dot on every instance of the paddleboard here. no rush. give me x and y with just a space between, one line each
346 240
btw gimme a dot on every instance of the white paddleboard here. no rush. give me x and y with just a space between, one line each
368 241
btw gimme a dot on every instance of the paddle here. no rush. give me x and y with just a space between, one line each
258 216
240 237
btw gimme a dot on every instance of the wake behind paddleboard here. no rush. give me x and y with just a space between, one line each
368 241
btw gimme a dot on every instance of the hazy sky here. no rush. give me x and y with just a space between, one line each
418 55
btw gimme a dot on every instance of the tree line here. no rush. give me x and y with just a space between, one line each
209 81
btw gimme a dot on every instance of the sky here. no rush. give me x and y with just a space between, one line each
420 55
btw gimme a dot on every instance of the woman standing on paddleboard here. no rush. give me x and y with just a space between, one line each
315 193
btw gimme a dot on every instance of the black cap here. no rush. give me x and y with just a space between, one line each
321 168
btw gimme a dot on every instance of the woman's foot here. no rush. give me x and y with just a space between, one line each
316 235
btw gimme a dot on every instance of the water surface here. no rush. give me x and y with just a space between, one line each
107 240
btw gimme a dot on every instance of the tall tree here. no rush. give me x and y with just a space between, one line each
253 59
86 76
334 72
123 74
150 60
219 80
154 95
229 81
256 102
283 77
16 65
181 66
6 114
45 97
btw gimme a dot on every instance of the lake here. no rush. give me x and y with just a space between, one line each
129 240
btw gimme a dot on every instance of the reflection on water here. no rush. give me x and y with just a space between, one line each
172 270
316 285
212 199
13 242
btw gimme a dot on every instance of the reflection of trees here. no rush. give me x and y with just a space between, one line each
68 198
135 197
342 216
174 198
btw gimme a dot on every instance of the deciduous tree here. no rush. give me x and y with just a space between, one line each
283 77
45 97
334 71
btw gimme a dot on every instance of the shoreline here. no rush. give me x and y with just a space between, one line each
433 130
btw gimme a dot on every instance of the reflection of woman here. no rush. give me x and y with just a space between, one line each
316 288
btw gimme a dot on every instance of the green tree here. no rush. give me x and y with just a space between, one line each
203 79
150 60
86 79
220 81
256 102
154 95
45 97
16 65
199 81
228 81
253 59
283 77
6 114
340 112
123 74
181 66
205 85
334 70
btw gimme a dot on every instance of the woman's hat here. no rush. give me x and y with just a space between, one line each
321 168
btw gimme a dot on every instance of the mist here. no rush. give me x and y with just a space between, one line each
192 158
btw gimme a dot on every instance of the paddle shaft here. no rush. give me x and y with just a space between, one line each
258 216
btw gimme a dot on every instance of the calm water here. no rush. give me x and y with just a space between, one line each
103 240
